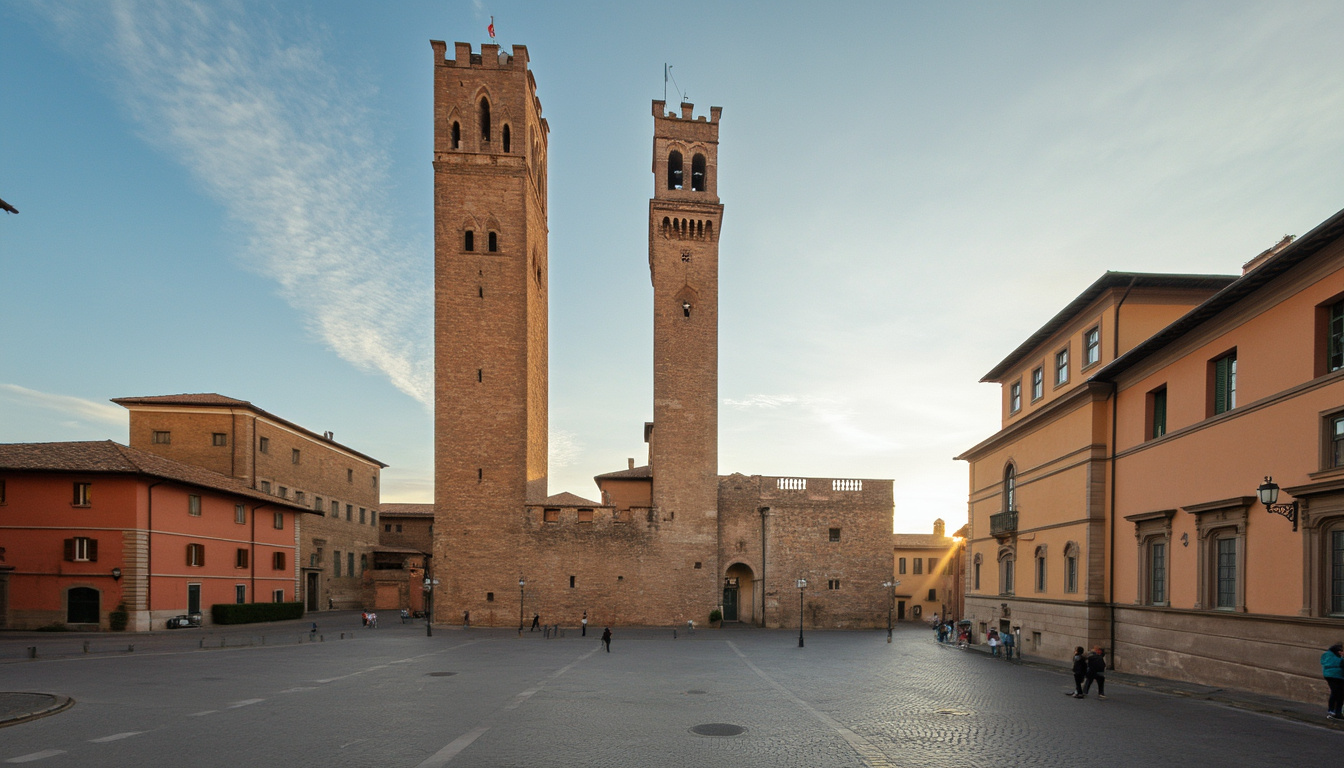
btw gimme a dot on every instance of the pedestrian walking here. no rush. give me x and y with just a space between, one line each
1009 643
373 620
365 616
964 637
1096 671
405 615
1079 672
606 639
466 619
994 643
1332 669
584 624
536 622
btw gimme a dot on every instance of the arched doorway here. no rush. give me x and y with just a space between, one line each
739 594
82 606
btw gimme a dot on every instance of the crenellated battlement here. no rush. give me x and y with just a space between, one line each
687 112
490 57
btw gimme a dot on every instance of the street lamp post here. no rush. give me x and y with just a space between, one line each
802 585
521 585
891 599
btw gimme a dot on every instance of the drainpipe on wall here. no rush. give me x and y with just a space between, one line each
1115 411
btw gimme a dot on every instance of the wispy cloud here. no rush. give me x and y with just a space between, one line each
838 419
564 449
276 131
67 405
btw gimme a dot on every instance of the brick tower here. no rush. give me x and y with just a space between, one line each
684 222
490 325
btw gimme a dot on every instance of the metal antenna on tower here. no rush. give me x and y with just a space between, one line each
667 73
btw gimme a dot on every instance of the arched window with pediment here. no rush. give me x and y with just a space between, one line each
1009 488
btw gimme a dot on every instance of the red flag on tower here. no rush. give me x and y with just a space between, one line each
491 28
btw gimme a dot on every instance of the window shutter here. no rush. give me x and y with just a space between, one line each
70 550
93 550
189 555
1220 385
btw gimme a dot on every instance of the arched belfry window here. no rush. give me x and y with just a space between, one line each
457 135
685 308
674 170
1009 488
506 137
698 173
485 119
493 242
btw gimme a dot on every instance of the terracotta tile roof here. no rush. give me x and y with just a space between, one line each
406 510
213 399
638 473
108 457
400 550
567 500
920 541
201 398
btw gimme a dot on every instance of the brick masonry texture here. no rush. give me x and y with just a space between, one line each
653 550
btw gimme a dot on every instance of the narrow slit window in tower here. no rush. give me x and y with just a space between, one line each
698 173
480 291
493 244
485 119
479 372
674 170
469 240
480 474
457 135
506 137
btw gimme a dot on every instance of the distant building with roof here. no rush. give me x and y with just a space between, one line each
97 528
283 460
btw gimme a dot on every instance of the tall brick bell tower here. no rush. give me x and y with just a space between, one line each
490 323
684 223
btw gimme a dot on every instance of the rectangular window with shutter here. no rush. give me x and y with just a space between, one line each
900 565
240 558
336 564
1224 390
196 555
240 514
919 564
81 549
278 561
1335 337
194 505
1157 410
83 494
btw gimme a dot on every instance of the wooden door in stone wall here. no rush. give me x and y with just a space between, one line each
730 599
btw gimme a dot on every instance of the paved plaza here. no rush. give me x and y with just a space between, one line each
394 697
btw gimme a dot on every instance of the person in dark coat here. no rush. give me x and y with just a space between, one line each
1079 672
536 622
1096 671
606 639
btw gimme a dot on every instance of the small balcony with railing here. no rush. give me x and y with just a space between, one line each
1004 524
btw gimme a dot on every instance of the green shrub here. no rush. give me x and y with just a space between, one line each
715 616
117 620
251 613
53 627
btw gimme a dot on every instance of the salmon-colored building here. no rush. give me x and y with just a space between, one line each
92 528
1209 586
1138 498
925 568
1036 553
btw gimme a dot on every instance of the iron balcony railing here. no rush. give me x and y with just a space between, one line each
1003 522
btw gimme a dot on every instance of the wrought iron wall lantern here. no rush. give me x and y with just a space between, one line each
1269 496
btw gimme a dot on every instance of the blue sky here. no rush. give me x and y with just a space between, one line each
236 198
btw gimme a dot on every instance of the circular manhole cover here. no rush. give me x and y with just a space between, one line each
442 674
718 729
695 692
953 712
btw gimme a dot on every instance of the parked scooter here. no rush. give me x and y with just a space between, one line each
185 620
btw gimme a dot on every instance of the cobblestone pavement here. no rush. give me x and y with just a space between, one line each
488 698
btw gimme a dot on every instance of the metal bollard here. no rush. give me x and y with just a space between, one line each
86 646
202 643
130 648
32 651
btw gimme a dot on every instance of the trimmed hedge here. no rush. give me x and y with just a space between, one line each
250 613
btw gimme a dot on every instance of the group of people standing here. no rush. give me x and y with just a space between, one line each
1001 640
1088 668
